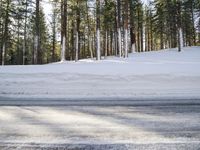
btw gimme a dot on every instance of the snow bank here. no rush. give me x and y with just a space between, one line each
165 73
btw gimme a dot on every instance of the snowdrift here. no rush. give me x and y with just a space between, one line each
151 75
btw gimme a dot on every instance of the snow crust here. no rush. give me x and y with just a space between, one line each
160 74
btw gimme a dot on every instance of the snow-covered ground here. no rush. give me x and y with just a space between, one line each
161 74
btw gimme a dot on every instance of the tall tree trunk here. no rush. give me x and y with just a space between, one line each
141 38
115 41
119 27
63 28
106 43
77 31
132 27
1 29
193 22
37 34
18 35
89 33
53 43
138 29
24 42
126 30
151 33
98 53
161 38
5 34
180 38
54 33
77 37
73 30
18 41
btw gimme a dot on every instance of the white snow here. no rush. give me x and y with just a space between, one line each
160 74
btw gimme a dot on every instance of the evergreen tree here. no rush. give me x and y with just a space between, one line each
90 28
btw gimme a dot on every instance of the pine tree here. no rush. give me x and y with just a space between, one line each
91 29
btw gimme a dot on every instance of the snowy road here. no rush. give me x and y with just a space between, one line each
4 101
145 126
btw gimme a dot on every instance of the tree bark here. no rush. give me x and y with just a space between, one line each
132 28
126 30
89 33
37 34
5 34
24 42
63 28
77 32
98 53
179 26
119 27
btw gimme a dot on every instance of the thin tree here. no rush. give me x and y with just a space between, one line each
37 32
89 31
126 29
180 38
77 30
63 28
5 33
132 26
25 28
98 45
119 27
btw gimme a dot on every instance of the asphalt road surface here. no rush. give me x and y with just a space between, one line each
99 125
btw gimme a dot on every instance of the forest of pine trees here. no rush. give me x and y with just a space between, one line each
80 29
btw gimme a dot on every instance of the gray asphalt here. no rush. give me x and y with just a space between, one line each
99 125
160 146
6 101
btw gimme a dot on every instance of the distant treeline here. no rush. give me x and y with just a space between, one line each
79 29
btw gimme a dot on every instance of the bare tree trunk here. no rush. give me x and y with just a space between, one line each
151 34
179 26
36 38
98 30
193 22
63 28
180 39
115 39
106 43
138 30
72 41
126 30
5 34
54 33
18 36
119 27
89 33
132 28
141 38
24 43
18 41
77 32
1 29
77 45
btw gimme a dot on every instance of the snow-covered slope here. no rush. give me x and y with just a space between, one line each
161 74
